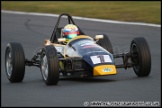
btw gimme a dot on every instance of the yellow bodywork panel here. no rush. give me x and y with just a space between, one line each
104 70
80 37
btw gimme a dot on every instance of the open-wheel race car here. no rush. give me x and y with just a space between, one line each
83 56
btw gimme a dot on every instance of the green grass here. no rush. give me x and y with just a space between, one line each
136 11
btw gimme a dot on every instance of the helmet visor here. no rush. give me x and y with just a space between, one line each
70 36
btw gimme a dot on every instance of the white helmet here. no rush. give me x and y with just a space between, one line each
70 31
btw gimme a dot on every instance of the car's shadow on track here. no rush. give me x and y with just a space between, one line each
103 79
87 79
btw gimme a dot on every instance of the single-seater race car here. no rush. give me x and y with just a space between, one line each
83 56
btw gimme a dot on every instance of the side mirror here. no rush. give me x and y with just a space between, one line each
47 42
97 37
61 39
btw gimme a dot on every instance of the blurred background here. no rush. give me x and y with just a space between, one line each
132 11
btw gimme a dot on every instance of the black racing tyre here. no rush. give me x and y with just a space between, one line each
105 43
14 62
141 57
49 65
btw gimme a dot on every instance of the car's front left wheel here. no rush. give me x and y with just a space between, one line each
141 56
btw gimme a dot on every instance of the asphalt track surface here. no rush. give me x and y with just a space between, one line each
31 31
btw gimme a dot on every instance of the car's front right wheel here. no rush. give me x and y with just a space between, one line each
49 65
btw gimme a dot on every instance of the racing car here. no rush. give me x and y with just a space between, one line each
83 56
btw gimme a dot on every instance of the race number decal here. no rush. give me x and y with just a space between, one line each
100 59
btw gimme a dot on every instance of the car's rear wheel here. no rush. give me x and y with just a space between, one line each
15 62
49 65
141 56
105 43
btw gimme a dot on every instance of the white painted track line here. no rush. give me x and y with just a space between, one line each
81 18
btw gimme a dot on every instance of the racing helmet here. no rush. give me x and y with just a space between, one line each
70 31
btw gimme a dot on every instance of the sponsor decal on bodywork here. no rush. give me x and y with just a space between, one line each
104 70
107 69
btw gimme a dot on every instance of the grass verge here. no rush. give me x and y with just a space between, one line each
133 11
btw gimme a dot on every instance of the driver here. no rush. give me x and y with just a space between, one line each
70 31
